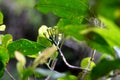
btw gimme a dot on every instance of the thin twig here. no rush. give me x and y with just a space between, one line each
92 58
64 59
10 75
53 64
52 68
88 66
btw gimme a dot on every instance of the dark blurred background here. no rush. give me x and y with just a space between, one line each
23 20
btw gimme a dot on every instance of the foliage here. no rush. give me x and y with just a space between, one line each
70 77
96 25
1 18
85 62
102 69
107 9
24 46
63 7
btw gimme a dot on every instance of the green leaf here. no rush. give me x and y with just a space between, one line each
25 46
109 24
1 18
43 41
68 9
27 72
2 28
86 1
64 22
96 41
42 58
72 31
109 36
104 67
24 72
1 68
86 77
21 59
54 56
43 36
6 39
1 36
4 56
71 12
112 39
85 62
109 9
68 77
20 69
42 32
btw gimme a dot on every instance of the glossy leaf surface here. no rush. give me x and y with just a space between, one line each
24 46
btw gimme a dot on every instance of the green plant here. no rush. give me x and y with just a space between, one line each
95 24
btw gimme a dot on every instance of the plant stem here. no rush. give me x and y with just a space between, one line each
10 75
52 68
91 60
64 59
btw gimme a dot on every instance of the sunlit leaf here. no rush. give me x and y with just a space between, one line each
104 67
1 36
109 36
24 46
1 18
110 25
68 77
19 66
86 61
4 56
96 41
6 39
43 36
21 63
20 58
42 32
42 58
2 28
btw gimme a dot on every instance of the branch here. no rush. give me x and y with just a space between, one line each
91 60
64 59
9 74
52 68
